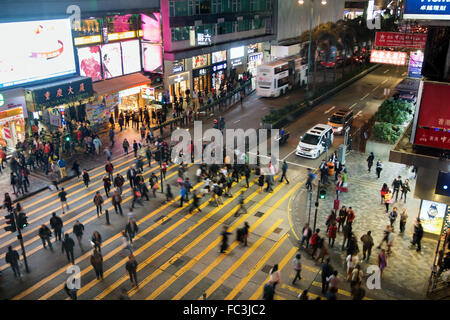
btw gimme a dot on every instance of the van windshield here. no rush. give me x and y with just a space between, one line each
310 139
337 119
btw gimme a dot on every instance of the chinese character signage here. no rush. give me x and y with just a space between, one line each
62 92
427 9
388 57
433 123
401 40
415 64
203 39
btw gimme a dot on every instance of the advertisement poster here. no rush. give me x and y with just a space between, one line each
199 61
111 60
112 101
36 50
236 52
415 64
400 40
131 56
90 64
219 56
388 57
97 113
433 124
427 10
151 27
152 57
432 216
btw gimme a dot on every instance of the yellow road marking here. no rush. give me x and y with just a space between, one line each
171 243
209 248
288 257
255 269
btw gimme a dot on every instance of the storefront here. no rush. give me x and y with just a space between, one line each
55 104
13 113
253 61
178 84
236 62
201 74
218 74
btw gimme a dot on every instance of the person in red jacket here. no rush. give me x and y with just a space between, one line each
350 216
109 168
332 230
314 242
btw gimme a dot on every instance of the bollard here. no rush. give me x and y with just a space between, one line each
107 217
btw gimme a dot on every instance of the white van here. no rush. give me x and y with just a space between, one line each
312 143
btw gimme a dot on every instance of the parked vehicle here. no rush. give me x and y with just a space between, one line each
312 144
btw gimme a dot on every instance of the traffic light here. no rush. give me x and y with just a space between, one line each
22 220
11 225
67 138
322 193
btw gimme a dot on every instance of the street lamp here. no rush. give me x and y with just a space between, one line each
301 2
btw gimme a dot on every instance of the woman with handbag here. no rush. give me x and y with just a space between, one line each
387 200
275 276
383 191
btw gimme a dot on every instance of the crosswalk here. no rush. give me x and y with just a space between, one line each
176 251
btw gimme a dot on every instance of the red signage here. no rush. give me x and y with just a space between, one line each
402 40
433 124
389 57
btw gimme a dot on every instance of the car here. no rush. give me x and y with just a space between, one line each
340 120
313 143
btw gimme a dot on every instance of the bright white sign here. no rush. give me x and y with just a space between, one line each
236 52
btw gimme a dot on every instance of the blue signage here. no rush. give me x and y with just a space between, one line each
427 9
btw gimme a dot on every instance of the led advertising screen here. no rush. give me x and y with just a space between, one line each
111 60
432 216
152 57
219 56
401 40
35 50
236 52
131 56
415 64
90 64
151 27
427 9
388 57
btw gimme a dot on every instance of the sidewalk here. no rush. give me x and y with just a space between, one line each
407 272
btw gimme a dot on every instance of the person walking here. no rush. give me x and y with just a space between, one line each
350 216
368 243
275 276
56 224
45 235
96 241
297 268
182 194
116 200
403 219
347 232
332 231
62 195
357 292
333 285
386 236
131 229
67 245
244 234
370 159
12 257
396 184
356 277
342 217
383 191
382 261
76 168
135 148
131 267
195 202
261 182
388 200
283 170
107 185
327 271
169 195
97 264
378 168
314 242
78 230
86 179
109 168
405 189
131 176
306 235
111 136
224 244
118 182
417 236
268 292
241 201
392 217
98 201
125 146
97 143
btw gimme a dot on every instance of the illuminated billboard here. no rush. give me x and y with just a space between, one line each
427 10
90 64
111 60
35 50
152 57
131 56
219 56
151 27
236 52
432 216
388 57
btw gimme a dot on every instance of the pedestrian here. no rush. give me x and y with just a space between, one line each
125 145
96 241
45 235
7 202
378 168
261 182
12 257
333 285
356 277
63 197
417 236
346 231
131 176
116 202
332 230
357 292
86 178
72 293
97 264
169 195
139 164
342 217
98 201
62 168
148 155
111 136
107 185
182 194
388 200
314 242
383 191
396 184
131 229
131 267
275 276
268 292
368 243
137 197
135 148
109 168
224 244
327 271
56 224
67 246
403 219
76 168
241 201
382 261
108 154
297 268
386 235
284 170
195 202
118 182
393 216
405 189
306 235
370 159
78 229
350 216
